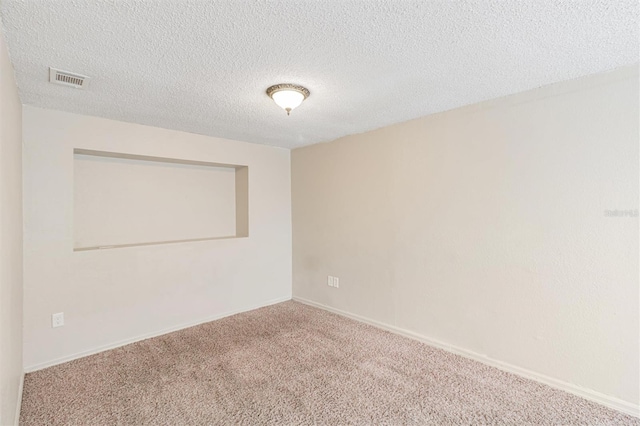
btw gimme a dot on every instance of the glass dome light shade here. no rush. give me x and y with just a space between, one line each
288 96
288 99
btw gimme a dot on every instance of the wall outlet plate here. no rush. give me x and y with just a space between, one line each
57 320
333 281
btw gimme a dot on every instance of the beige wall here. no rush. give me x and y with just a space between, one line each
10 239
485 228
128 201
117 295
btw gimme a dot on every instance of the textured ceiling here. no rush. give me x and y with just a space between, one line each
203 66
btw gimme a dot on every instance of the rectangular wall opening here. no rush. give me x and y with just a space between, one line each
125 200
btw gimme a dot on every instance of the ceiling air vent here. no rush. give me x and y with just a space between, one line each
67 78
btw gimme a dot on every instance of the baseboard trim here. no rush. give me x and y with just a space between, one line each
16 420
591 395
93 351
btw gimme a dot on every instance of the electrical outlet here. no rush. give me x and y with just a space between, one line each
333 281
57 320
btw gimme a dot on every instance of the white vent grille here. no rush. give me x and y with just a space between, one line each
68 78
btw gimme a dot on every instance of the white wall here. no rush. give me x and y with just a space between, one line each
10 240
485 228
116 295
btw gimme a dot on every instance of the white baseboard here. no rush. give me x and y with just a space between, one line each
16 420
591 395
62 360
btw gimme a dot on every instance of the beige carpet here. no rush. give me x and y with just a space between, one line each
290 364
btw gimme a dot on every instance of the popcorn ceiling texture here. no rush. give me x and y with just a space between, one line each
204 66
291 364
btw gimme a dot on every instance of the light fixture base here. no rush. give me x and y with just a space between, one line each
286 86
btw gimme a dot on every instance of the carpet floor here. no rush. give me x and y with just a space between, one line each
291 364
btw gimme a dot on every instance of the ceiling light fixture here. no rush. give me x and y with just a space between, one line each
288 96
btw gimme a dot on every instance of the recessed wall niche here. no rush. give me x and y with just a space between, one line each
125 200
